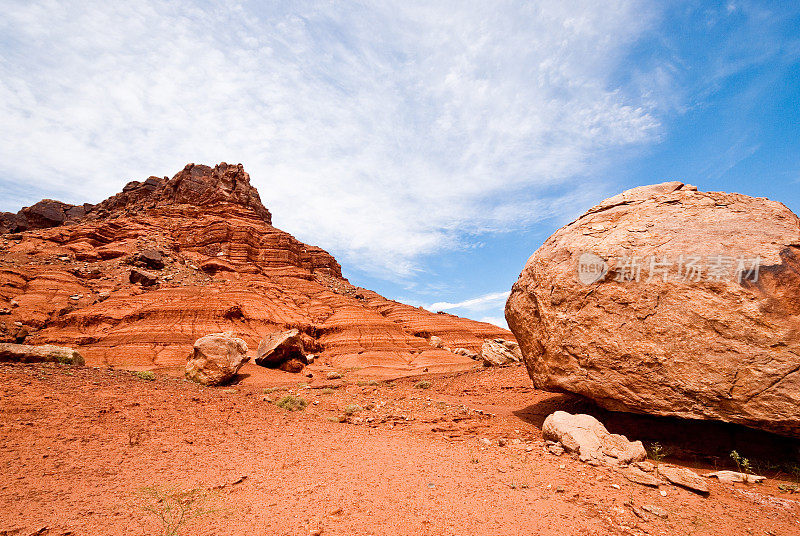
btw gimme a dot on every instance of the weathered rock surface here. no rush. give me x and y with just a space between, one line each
225 268
500 352
282 348
216 358
45 213
150 258
585 435
143 277
683 477
731 477
637 476
26 353
700 345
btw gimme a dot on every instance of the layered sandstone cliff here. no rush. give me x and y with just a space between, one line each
216 264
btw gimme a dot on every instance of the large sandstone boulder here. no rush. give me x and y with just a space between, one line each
284 350
669 301
216 358
27 353
586 436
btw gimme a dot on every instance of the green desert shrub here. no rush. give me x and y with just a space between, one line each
146 375
173 508
422 385
292 403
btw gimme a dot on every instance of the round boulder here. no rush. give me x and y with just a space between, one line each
669 301
216 358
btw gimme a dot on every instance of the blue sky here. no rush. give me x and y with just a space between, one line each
430 147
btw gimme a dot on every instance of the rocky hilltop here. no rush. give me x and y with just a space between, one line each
669 301
134 280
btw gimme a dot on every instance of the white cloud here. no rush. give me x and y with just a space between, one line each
498 321
480 303
380 131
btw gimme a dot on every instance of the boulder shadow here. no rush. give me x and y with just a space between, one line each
709 442
238 378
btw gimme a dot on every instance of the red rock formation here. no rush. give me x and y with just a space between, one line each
716 342
226 268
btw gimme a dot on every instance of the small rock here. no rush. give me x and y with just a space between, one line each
730 477
680 476
663 493
436 342
333 375
556 449
22 334
150 258
588 437
560 489
637 476
616 486
499 352
655 510
645 466
142 277
486 441
25 353
637 512
501 442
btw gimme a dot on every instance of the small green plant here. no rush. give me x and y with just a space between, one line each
173 508
743 464
270 390
422 385
352 409
292 403
656 453
794 470
370 383
146 375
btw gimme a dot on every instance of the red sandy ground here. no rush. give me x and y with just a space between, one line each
78 444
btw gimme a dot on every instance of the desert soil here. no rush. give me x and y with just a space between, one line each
80 447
